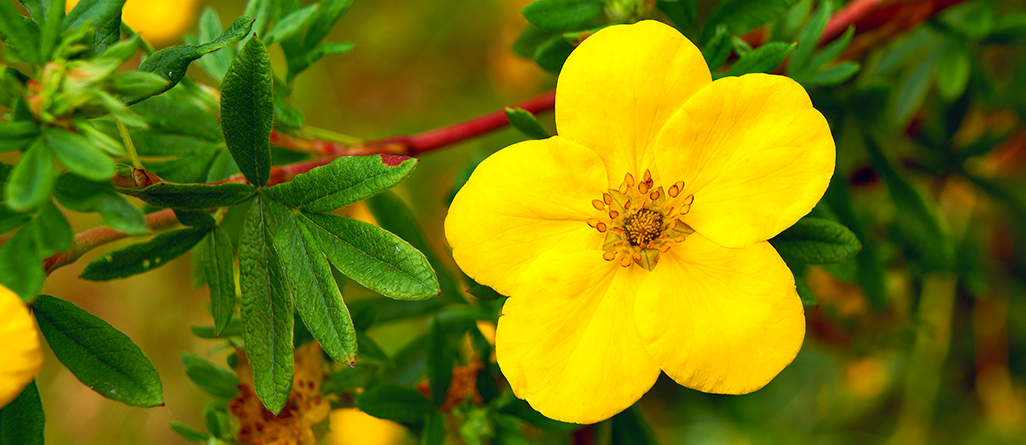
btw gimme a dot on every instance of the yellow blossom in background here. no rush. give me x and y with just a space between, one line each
20 352
635 240
354 427
304 409
158 21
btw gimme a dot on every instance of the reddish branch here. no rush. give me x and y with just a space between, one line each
887 17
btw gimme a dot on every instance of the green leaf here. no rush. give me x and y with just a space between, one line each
870 270
974 20
79 155
394 402
342 182
816 241
97 11
267 319
911 92
525 122
762 59
171 63
215 415
329 13
31 182
82 195
392 214
918 219
216 63
683 14
234 329
552 53
247 111
740 16
349 378
717 50
529 40
18 35
377 259
189 434
835 74
107 35
137 83
834 49
482 292
216 381
219 271
195 218
631 428
52 230
21 267
174 115
439 362
557 15
434 431
143 257
291 24
317 296
101 357
22 420
804 292
10 220
740 46
17 135
808 41
192 196
952 71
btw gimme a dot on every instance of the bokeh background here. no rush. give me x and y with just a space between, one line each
941 362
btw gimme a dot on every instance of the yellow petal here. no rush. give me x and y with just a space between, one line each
620 85
522 201
721 320
20 353
566 340
753 151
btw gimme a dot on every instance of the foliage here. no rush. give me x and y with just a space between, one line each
913 254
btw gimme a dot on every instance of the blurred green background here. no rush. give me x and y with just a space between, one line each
940 359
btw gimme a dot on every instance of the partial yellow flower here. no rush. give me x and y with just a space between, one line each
305 407
635 240
159 21
351 426
20 353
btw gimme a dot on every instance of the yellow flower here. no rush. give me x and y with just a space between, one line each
350 426
635 240
159 21
20 352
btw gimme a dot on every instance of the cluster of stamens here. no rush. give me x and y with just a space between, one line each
641 220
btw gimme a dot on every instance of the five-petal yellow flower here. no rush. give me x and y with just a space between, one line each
635 240
20 353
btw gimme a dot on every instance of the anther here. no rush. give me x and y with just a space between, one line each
624 188
602 227
626 261
607 198
679 184
627 204
609 256
644 187
654 195
613 214
599 205
673 191
648 176
637 257
629 179
679 239
665 248
592 222
669 226
686 206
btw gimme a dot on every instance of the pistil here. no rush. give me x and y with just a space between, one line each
641 220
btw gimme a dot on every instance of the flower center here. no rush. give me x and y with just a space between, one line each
641 220
643 227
